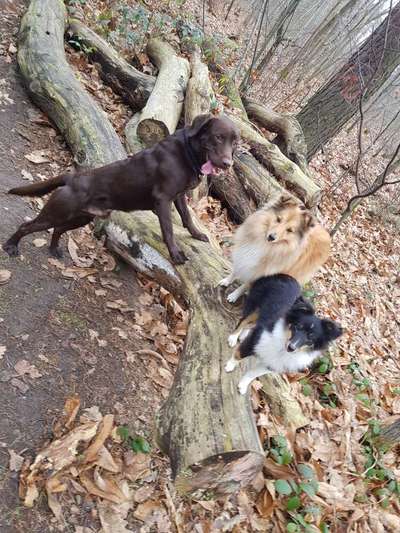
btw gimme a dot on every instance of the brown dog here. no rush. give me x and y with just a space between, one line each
149 180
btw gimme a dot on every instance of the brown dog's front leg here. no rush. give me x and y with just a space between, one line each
163 211
182 207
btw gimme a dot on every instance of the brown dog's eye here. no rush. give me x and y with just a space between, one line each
278 219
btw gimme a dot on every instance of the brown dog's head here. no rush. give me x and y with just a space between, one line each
286 221
217 138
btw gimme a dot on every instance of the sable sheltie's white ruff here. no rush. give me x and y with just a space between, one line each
270 355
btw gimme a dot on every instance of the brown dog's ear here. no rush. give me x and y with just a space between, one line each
199 123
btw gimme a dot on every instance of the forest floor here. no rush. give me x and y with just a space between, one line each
87 326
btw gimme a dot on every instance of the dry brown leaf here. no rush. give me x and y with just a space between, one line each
136 465
93 489
113 516
16 461
105 429
71 408
26 175
143 494
5 276
265 504
144 510
77 272
39 243
106 461
54 504
39 156
73 252
23 367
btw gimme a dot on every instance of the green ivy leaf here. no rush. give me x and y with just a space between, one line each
123 432
309 488
305 471
282 487
139 444
293 503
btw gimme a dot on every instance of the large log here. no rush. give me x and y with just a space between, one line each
199 93
134 86
53 87
290 136
163 109
280 166
205 427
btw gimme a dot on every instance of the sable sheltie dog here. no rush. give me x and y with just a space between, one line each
281 237
279 327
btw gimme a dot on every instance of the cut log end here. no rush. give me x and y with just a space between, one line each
220 474
151 131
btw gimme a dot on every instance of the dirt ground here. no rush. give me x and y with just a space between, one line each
69 333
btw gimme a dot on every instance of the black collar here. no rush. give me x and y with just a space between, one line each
191 153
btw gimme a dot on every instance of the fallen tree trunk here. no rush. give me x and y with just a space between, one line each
53 87
244 190
134 86
205 427
281 167
161 114
199 93
290 138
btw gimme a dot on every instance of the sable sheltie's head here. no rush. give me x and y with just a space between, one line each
307 331
285 221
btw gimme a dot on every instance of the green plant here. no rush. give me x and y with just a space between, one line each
136 444
279 450
328 395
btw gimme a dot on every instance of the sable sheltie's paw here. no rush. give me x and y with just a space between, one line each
231 365
225 282
233 339
243 387
233 296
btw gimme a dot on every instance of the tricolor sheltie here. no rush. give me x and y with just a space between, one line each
281 237
280 329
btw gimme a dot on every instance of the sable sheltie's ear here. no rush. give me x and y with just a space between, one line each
284 201
307 222
331 329
201 122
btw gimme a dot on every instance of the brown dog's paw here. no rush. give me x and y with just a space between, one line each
56 252
178 257
200 237
11 249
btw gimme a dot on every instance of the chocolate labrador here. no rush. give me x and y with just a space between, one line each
149 180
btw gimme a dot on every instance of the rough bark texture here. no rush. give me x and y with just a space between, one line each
280 166
290 137
134 86
161 114
364 74
199 93
389 435
246 189
205 427
53 87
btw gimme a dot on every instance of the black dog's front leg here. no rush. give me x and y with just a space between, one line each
182 207
163 211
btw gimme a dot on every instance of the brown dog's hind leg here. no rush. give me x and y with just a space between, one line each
11 246
184 213
59 230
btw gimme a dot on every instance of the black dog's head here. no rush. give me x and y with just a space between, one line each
307 330
217 138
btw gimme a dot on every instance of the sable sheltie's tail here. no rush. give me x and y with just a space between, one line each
40 188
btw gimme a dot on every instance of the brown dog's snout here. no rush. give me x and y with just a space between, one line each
227 162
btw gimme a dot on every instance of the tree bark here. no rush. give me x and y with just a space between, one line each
290 138
389 435
199 93
53 87
134 86
363 75
161 114
280 166
205 427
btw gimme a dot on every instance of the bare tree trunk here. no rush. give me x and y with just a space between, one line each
337 101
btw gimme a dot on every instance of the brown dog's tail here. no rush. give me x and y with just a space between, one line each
40 188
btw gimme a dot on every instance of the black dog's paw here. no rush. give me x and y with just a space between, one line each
11 249
178 257
56 252
200 237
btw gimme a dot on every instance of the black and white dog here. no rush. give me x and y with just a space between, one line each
280 329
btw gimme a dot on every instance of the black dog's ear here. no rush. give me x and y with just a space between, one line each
199 123
331 329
